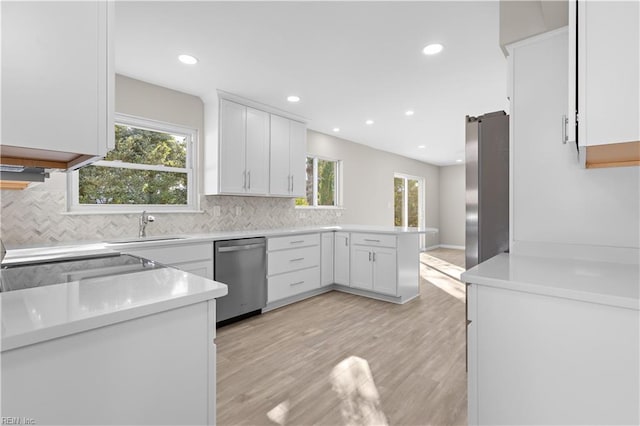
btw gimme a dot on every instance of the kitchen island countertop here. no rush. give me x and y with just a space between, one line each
39 314
607 283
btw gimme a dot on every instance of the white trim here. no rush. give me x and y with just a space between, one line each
193 199
451 246
262 107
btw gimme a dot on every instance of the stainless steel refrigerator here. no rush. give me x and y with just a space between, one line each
487 187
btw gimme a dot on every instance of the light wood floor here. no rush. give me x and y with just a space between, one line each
453 256
416 353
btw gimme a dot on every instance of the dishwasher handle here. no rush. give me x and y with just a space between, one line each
239 248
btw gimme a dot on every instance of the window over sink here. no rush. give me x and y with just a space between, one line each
151 167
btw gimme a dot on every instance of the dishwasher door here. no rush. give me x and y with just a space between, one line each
241 265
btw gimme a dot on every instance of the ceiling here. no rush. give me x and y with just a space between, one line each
348 62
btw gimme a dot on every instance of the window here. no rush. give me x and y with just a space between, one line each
149 168
322 183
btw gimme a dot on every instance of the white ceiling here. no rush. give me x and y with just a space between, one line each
348 61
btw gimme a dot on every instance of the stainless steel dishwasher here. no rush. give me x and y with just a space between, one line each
241 265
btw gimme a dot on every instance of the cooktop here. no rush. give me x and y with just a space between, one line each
17 277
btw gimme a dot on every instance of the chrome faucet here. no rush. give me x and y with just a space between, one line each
143 221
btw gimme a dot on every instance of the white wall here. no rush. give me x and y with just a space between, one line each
368 180
452 205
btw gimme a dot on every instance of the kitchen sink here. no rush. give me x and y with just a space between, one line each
143 239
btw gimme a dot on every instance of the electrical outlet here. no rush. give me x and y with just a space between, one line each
216 211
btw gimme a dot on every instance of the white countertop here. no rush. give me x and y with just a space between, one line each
41 313
613 284
81 248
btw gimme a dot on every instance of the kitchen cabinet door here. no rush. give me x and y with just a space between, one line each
57 78
361 268
341 258
257 151
298 158
279 174
384 271
326 259
608 70
233 118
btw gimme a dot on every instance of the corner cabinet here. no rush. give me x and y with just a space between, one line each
244 148
604 70
287 157
57 75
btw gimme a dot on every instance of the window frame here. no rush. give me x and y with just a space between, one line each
337 196
405 199
191 139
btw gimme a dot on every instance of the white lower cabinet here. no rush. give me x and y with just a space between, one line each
195 258
341 260
540 359
293 283
292 270
326 259
374 268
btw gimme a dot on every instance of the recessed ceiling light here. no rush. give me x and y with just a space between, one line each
336 129
293 98
421 146
368 122
432 49
188 59
458 161
409 113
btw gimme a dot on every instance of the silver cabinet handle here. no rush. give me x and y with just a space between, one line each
291 183
244 180
298 283
346 242
369 256
374 256
565 122
373 241
296 242
249 173
238 248
298 259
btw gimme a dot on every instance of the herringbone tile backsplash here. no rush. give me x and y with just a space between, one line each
38 215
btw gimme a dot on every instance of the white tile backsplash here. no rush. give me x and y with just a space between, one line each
37 215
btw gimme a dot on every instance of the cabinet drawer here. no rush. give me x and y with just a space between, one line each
294 241
292 260
293 283
173 254
374 240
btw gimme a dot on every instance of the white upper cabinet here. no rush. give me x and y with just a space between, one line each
608 70
232 147
249 151
57 80
244 142
287 157
298 158
257 156
280 177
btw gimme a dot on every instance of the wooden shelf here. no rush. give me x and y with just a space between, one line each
613 155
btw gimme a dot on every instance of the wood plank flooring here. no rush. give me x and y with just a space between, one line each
416 353
453 256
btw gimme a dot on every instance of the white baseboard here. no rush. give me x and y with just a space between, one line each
450 246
